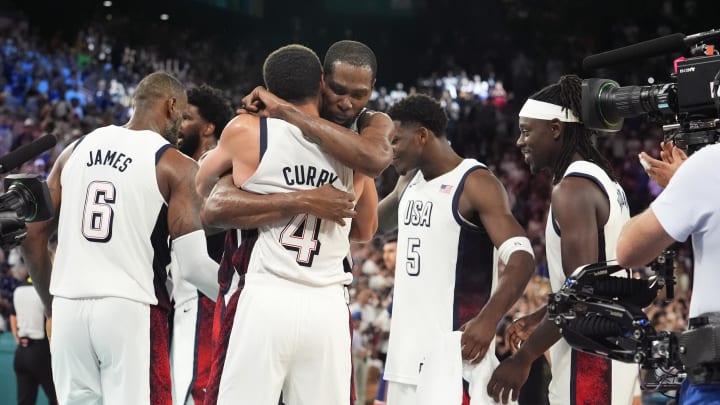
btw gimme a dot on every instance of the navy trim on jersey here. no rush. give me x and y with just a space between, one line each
402 192
601 245
597 182
263 136
591 178
474 270
458 192
555 225
161 258
160 152
78 142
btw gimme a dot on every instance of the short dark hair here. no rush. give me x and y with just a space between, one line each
351 52
423 110
157 86
212 106
293 73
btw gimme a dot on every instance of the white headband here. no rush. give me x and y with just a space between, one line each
546 111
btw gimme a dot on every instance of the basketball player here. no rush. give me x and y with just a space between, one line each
350 69
587 211
452 215
191 346
125 192
299 257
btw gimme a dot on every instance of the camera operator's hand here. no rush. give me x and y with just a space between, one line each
12 230
662 170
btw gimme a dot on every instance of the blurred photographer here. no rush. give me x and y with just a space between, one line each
688 206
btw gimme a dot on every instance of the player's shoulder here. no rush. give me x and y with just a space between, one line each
243 122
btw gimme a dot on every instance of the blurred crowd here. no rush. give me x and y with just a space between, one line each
68 88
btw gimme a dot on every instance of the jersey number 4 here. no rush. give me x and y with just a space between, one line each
98 213
301 235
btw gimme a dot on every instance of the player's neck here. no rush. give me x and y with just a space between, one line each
440 159
145 121
309 108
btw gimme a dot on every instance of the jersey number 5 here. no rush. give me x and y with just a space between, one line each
301 236
98 213
412 266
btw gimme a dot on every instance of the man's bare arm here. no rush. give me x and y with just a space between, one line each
641 240
35 246
486 195
229 207
365 224
388 206
369 153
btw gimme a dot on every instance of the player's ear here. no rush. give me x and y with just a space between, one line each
171 105
423 135
209 129
555 128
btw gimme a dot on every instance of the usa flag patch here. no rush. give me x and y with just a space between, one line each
446 188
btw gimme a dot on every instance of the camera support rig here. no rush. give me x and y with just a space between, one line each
601 314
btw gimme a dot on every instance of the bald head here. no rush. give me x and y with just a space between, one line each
158 86
160 99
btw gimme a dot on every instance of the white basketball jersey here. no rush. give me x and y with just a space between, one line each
302 248
619 215
444 273
113 234
567 371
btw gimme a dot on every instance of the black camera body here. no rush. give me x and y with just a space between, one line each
688 110
27 199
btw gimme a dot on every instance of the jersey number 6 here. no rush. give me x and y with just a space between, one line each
98 213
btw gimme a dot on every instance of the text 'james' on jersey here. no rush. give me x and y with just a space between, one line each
109 158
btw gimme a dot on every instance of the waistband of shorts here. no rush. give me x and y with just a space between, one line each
255 280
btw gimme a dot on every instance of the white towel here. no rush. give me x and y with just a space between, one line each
443 370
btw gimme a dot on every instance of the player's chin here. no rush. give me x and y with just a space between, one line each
399 167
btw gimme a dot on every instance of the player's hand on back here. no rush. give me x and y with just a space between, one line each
263 103
329 203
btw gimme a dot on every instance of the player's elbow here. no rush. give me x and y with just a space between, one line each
363 232
211 216
625 254
374 161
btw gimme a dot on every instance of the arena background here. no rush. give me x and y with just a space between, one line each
480 58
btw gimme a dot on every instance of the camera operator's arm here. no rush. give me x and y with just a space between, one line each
576 205
681 210
35 246
662 170
642 239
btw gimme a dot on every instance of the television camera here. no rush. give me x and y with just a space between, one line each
27 197
688 109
